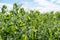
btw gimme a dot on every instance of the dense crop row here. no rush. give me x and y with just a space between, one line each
17 24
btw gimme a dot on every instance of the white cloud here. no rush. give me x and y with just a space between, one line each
25 5
48 6
9 6
57 1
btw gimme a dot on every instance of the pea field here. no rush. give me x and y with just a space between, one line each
19 24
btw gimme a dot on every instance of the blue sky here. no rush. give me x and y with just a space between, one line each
41 5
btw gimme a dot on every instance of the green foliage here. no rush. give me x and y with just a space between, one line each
18 24
3 8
